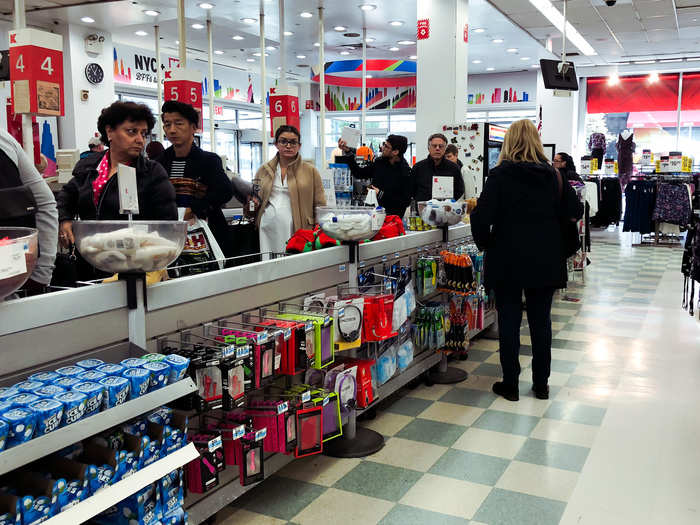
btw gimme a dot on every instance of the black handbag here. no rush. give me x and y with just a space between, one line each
65 273
570 239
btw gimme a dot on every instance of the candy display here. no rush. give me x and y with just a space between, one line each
160 373
117 391
20 423
439 213
351 223
94 393
139 379
48 415
90 363
112 247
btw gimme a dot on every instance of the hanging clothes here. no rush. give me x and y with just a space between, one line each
609 204
640 196
672 204
592 196
625 164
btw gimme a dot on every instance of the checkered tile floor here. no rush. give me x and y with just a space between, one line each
459 453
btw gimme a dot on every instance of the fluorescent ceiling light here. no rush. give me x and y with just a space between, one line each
140 33
316 44
151 12
339 28
368 7
666 60
413 57
645 61
237 37
497 40
477 61
250 60
479 30
87 20
369 39
197 26
557 20
406 42
305 14
534 65
393 48
693 59
206 5
524 58
249 20
288 33
396 23
218 52
512 50
301 57
345 53
271 48
257 54
490 69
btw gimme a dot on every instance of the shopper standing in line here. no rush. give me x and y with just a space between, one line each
390 174
518 221
435 165
93 192
94 146
565 164
471 187
27 201
288 190
201 184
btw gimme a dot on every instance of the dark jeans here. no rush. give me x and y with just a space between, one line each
597 153
510 315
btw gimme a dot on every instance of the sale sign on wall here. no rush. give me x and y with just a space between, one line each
284 108
36 72
423 29
184 85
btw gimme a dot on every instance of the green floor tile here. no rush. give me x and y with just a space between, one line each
551 454
282 498
565 344
576 413
479 356
378 480
488 369
469 397
505 507
578 381
406 515
506 422
433 432
470 466
408 406
565 367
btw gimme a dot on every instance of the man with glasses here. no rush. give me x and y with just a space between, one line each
390 174
436 165
201 185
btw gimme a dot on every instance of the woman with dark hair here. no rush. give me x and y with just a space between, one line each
93 192
288 192
154 149
565 164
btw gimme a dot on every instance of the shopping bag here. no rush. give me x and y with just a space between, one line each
200 248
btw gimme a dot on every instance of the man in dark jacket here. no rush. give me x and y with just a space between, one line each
201 184
390 174
435 165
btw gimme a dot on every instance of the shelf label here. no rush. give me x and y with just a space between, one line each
396 255
287 333
309 326
228 351
242 351
261 434
214 444
238 432
213 363
341 312
362 264
326 400
384 258
282 407
306 397
262 337
341 268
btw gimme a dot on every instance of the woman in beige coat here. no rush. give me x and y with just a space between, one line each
288 192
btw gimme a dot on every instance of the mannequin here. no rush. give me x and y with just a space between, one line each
597 143
625 148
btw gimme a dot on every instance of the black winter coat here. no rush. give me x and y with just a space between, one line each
393 181
425 170
156 194
517 223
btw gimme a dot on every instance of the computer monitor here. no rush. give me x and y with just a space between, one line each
553 79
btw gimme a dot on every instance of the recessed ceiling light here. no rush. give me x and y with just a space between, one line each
368 7
250 60
316 44
512 50
653 77
613 79
413 57
534 65
524 58
249 20
497 40
345 53
177 42
140 33
477 61
279 68
340 28
237 37
288 33
406 42
393 48
301 57
206 5
257 54
197 26
368 76
369 39
218 52
490 69
271 48
87 20
305 14
479 30
396 23
151 12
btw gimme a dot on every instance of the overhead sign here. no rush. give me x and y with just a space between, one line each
36 72
184 85
284 108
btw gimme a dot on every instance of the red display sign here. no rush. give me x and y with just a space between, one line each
184 85
36 72
309 104
423 29
466 33
284 108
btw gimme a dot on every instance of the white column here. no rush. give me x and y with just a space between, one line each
210 91
442 69
27 133
322 86
263 85
159 83
283 50
363 94
559 118
181 33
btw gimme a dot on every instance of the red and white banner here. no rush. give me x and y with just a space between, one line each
284 108
184 85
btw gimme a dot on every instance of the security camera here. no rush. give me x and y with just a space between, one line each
610 3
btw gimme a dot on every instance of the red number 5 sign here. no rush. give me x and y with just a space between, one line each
184 85
36 72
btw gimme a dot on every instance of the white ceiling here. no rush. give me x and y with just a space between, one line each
123 18
632 30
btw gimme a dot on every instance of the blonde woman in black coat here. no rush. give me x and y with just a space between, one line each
518 222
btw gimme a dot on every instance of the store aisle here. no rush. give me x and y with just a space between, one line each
617 441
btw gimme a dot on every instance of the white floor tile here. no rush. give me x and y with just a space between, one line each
490 443
342 507
387 423
565 432
446 495
229 516
452 413
529 406
318 469
406 453
431 393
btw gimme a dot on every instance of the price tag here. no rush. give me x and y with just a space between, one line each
287 333
12 261
326 321
341 312
306 397
278 361
228 351
362 264
282 408
215 443
261 434
384 258
397 255
262 337
243 351
309 326
213 363
128 192
326 400
238 432
341 268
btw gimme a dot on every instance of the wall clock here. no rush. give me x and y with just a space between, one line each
94 73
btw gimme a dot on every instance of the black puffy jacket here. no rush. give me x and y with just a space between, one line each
392 180
517 221
156 193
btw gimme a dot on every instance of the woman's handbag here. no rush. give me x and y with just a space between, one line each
65 273
571 242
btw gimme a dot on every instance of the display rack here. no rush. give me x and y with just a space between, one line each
110 496
42 446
